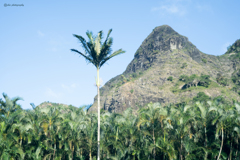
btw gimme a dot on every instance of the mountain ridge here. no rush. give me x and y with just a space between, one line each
162 54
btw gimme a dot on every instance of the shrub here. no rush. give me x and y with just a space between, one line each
204 80
134 75
194 80
124 79
201 96
170 78
184 65
131 90
220 99
174 89
221 80
119 84
204 60
183 78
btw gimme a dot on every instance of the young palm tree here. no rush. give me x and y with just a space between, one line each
203 121
149 116
98 54
224 115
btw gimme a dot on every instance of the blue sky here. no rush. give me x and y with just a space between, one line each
36 38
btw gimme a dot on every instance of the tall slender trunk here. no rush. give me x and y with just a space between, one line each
98 85
221 146
72 151
54 151
237 147
230 154
21 141
154 144
181 150
206 154
90 155
81 154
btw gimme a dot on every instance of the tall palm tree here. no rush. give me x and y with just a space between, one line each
98 54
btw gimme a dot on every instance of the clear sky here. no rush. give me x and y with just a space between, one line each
36 38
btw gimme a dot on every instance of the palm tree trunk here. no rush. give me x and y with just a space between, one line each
206 154
221 145
237 147
154 144
230 155
98 85
90 155
181 150
54 151
21 141
81 154
72 151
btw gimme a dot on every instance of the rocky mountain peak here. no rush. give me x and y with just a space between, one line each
161 41
153 74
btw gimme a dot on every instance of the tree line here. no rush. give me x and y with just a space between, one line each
200 130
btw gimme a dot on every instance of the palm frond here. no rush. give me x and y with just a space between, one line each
86 57
118 52
98 43
90 36
83 42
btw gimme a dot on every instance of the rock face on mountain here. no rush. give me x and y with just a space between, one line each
153 74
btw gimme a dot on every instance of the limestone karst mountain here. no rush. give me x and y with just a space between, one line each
154 75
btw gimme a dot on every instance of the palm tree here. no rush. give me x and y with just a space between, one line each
90 132
223 116
149 116
237 125
182 118
9 106
98 54
203 119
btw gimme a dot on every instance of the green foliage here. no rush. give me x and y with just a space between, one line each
119 84
134 75
236 80
174 89
201 97
204 60
183 78
170 78
165 132
234 48
184 65
220 99
229 47
221 80
96 52
194 80
131 90
124 79
204 80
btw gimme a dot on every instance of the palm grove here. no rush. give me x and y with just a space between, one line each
198 130
203 128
